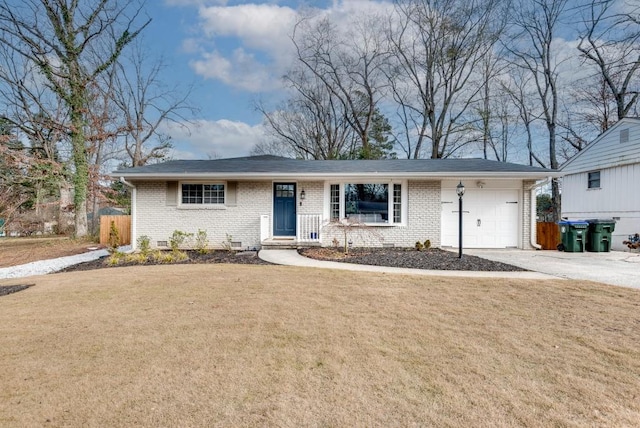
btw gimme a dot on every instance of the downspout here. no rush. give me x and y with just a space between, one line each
133 212
532 224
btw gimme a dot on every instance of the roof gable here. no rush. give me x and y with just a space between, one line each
608 149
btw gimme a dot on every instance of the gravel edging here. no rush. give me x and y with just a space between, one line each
432 259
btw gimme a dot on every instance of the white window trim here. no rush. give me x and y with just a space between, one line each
404 199
202 206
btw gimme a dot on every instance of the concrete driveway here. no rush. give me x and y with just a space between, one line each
615 268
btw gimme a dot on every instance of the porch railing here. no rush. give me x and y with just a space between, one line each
308 227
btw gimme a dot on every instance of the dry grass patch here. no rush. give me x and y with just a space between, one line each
223 345
17 251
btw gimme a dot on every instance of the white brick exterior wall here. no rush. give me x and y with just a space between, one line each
158 221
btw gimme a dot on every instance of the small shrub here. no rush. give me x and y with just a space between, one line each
202 243
178 238
157 256
350 227
180 256
419 246
138 258
167 257
226 244
335 242
172 256
114 238
115 258
427 244
144 244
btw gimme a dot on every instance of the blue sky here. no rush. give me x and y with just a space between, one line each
234 52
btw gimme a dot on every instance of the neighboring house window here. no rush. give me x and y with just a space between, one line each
202 193
370 203
594 180
335 202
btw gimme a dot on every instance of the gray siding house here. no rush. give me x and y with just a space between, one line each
603 180
269 201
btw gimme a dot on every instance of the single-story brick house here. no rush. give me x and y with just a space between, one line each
268 200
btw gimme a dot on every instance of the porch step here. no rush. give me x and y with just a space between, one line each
286 244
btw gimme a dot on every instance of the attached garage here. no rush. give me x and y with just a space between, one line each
491 215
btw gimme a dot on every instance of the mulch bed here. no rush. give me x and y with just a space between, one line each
217 256
433 259
8 289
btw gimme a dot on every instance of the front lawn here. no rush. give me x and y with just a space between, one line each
235 345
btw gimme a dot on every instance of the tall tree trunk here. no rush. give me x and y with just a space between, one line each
81 175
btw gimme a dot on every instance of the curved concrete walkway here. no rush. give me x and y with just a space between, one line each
292 258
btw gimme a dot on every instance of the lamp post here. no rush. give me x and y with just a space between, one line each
460 192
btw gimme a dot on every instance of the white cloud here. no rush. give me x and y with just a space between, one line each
241 70
220 138
252 46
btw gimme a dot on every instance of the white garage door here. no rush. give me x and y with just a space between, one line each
490 218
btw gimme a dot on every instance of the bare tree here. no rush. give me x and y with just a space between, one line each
103 132
536 23
145 103
71 43
611 41
350 64
438 47
311 124
516 86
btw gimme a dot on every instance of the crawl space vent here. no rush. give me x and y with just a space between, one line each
162 244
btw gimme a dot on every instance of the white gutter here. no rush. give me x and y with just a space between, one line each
327 176
532 222
134 194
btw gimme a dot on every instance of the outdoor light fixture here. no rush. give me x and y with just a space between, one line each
460 192
302 195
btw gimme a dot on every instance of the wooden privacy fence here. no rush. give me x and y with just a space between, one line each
548 235
122 224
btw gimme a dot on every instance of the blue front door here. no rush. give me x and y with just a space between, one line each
284 209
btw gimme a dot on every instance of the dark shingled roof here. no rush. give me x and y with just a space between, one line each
273 165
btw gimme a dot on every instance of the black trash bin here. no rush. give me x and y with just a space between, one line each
574 235
599 235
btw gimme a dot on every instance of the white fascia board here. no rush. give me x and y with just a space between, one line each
339 176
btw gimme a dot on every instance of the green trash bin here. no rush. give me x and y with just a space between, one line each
2 227
599 235
574 234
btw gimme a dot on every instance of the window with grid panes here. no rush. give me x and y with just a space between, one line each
335 202
193 193
397 203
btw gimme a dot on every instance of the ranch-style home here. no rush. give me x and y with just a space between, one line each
263 201
603 181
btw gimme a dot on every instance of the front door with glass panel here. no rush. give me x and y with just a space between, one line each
284 209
